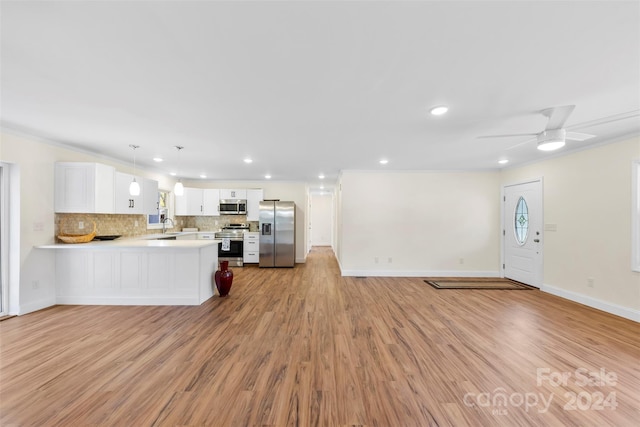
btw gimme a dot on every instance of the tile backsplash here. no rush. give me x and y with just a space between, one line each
106 224
125 225
214 223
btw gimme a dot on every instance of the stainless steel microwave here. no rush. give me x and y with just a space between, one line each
233 207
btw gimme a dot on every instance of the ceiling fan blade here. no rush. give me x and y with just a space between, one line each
528 141
507 135
577 136
557 116
608 119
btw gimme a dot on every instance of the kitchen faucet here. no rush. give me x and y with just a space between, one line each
164 224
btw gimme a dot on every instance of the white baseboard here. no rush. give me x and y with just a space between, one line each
84 300
618 310
418 273
36 305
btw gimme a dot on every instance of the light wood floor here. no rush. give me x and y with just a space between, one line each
307 347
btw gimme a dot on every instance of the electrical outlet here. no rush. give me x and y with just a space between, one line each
80 225
461 261
135 223
390 260
590 282
35 284
375 260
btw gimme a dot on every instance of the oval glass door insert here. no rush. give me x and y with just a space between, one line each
521 223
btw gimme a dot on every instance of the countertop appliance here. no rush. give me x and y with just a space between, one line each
233 235
277 233
233 207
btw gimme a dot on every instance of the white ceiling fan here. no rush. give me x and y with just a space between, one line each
554 135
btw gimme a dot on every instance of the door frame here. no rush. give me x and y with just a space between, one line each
4 239
503 226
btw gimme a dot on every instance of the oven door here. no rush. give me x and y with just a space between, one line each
234 254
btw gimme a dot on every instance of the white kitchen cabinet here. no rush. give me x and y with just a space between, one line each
134 275
189 202
251 247
233 194
145 203
82 187
211 202
149 196
254 197
198 202
124 202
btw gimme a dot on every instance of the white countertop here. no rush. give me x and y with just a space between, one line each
134 242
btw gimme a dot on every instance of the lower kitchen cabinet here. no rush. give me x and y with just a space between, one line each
135 276
251 248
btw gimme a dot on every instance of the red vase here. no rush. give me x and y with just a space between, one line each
224 279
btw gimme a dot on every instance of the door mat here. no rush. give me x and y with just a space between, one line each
476 283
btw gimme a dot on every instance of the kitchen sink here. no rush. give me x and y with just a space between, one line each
166 237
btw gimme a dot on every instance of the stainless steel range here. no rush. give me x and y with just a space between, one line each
231 249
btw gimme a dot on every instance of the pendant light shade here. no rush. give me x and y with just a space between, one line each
134 187
178 189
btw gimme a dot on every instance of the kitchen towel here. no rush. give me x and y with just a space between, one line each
226 244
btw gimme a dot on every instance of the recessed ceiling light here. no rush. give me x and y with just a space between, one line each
248 160
384 161
157 159
321 176
439 110
503 161
173 173
322 187
203 175
267 177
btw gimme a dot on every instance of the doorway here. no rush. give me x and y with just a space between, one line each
321 220
522 237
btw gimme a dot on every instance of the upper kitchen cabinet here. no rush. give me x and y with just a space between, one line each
149 196
84 187
198 202
126 203
254 197
145 203
211 202
233 194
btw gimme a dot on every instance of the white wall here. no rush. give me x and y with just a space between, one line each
588 196
428 223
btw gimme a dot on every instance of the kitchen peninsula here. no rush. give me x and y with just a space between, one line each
135 272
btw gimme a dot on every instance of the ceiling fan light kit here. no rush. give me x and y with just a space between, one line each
550 140
554 135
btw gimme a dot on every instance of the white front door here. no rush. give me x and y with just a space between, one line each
522 232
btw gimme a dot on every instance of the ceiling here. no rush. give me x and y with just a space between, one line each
315 87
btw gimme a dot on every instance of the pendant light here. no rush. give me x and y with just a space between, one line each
134 187
178 190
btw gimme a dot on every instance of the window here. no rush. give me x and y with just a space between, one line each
521 223
155 220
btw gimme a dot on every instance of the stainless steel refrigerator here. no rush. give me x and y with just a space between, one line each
277 234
